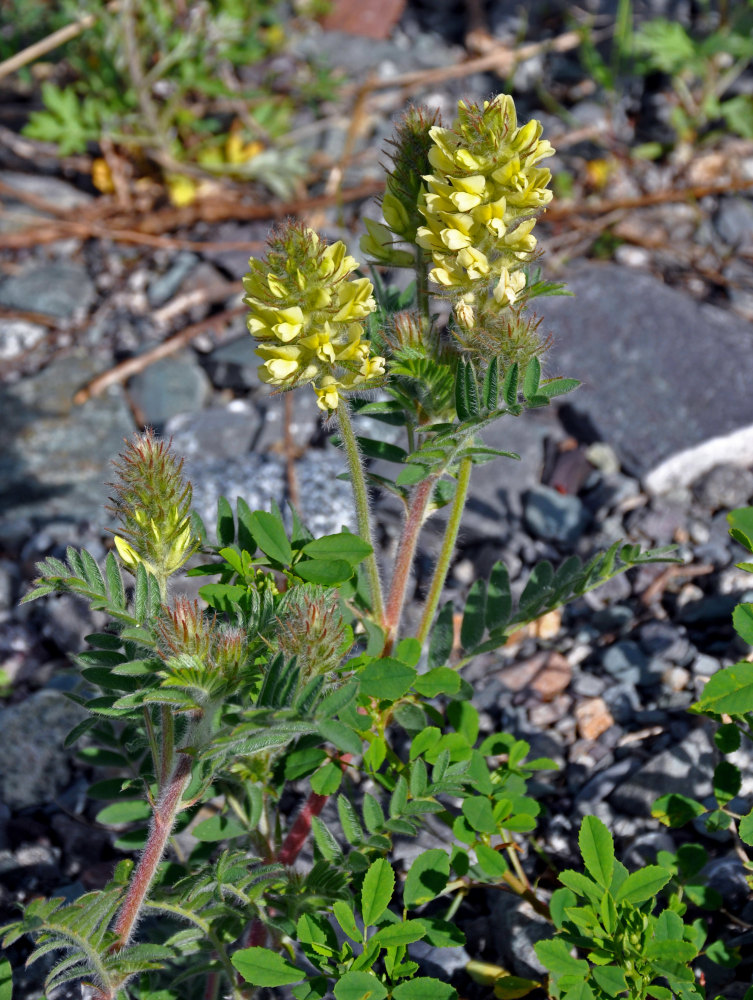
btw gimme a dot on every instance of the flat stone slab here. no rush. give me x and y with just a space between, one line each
666 379
55 456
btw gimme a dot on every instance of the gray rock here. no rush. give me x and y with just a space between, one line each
739 275
441 963
222 432
325 501
734 222
52 189
305 421
603 783
9 580
724 486
258 479
54 456
162 289
516 928
234 365
642 352
664 639
626 661
169 387
613 618
18 337
554 516
645 847
622 701
60 290
587 685
707 609
727 876
660 522
685 768
705 666
68 619
497 487
35 768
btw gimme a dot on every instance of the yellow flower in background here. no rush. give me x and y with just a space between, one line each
307 313
479 201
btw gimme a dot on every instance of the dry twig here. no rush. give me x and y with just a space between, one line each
123 371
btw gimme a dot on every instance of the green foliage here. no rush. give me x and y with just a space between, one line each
295 678
609 914
158 83
489 617
727 699
702 68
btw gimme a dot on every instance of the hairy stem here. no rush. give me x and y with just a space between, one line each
405 553
448 547
361 498
422 289
167 745
298 833
165 813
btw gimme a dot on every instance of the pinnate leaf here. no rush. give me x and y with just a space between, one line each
742 619
728 691
359 986
263 967
676 810
643 884
424 988
427 877
376 891
597 849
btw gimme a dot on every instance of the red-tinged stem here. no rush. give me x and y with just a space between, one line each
256 935
300 830
405 554
163 820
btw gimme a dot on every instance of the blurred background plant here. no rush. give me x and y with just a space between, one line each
702 64
188 90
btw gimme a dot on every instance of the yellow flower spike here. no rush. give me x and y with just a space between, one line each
306 314
128 555
327 396
509 287
481 197
279 370
321 345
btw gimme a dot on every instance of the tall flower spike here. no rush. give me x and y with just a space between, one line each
409 154
152 502
481 199
307 315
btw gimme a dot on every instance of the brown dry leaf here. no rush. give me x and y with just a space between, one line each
367 18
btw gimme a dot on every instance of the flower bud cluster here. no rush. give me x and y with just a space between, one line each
153 504
313 630
307 316
410 161
507 335
481 200
186 632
